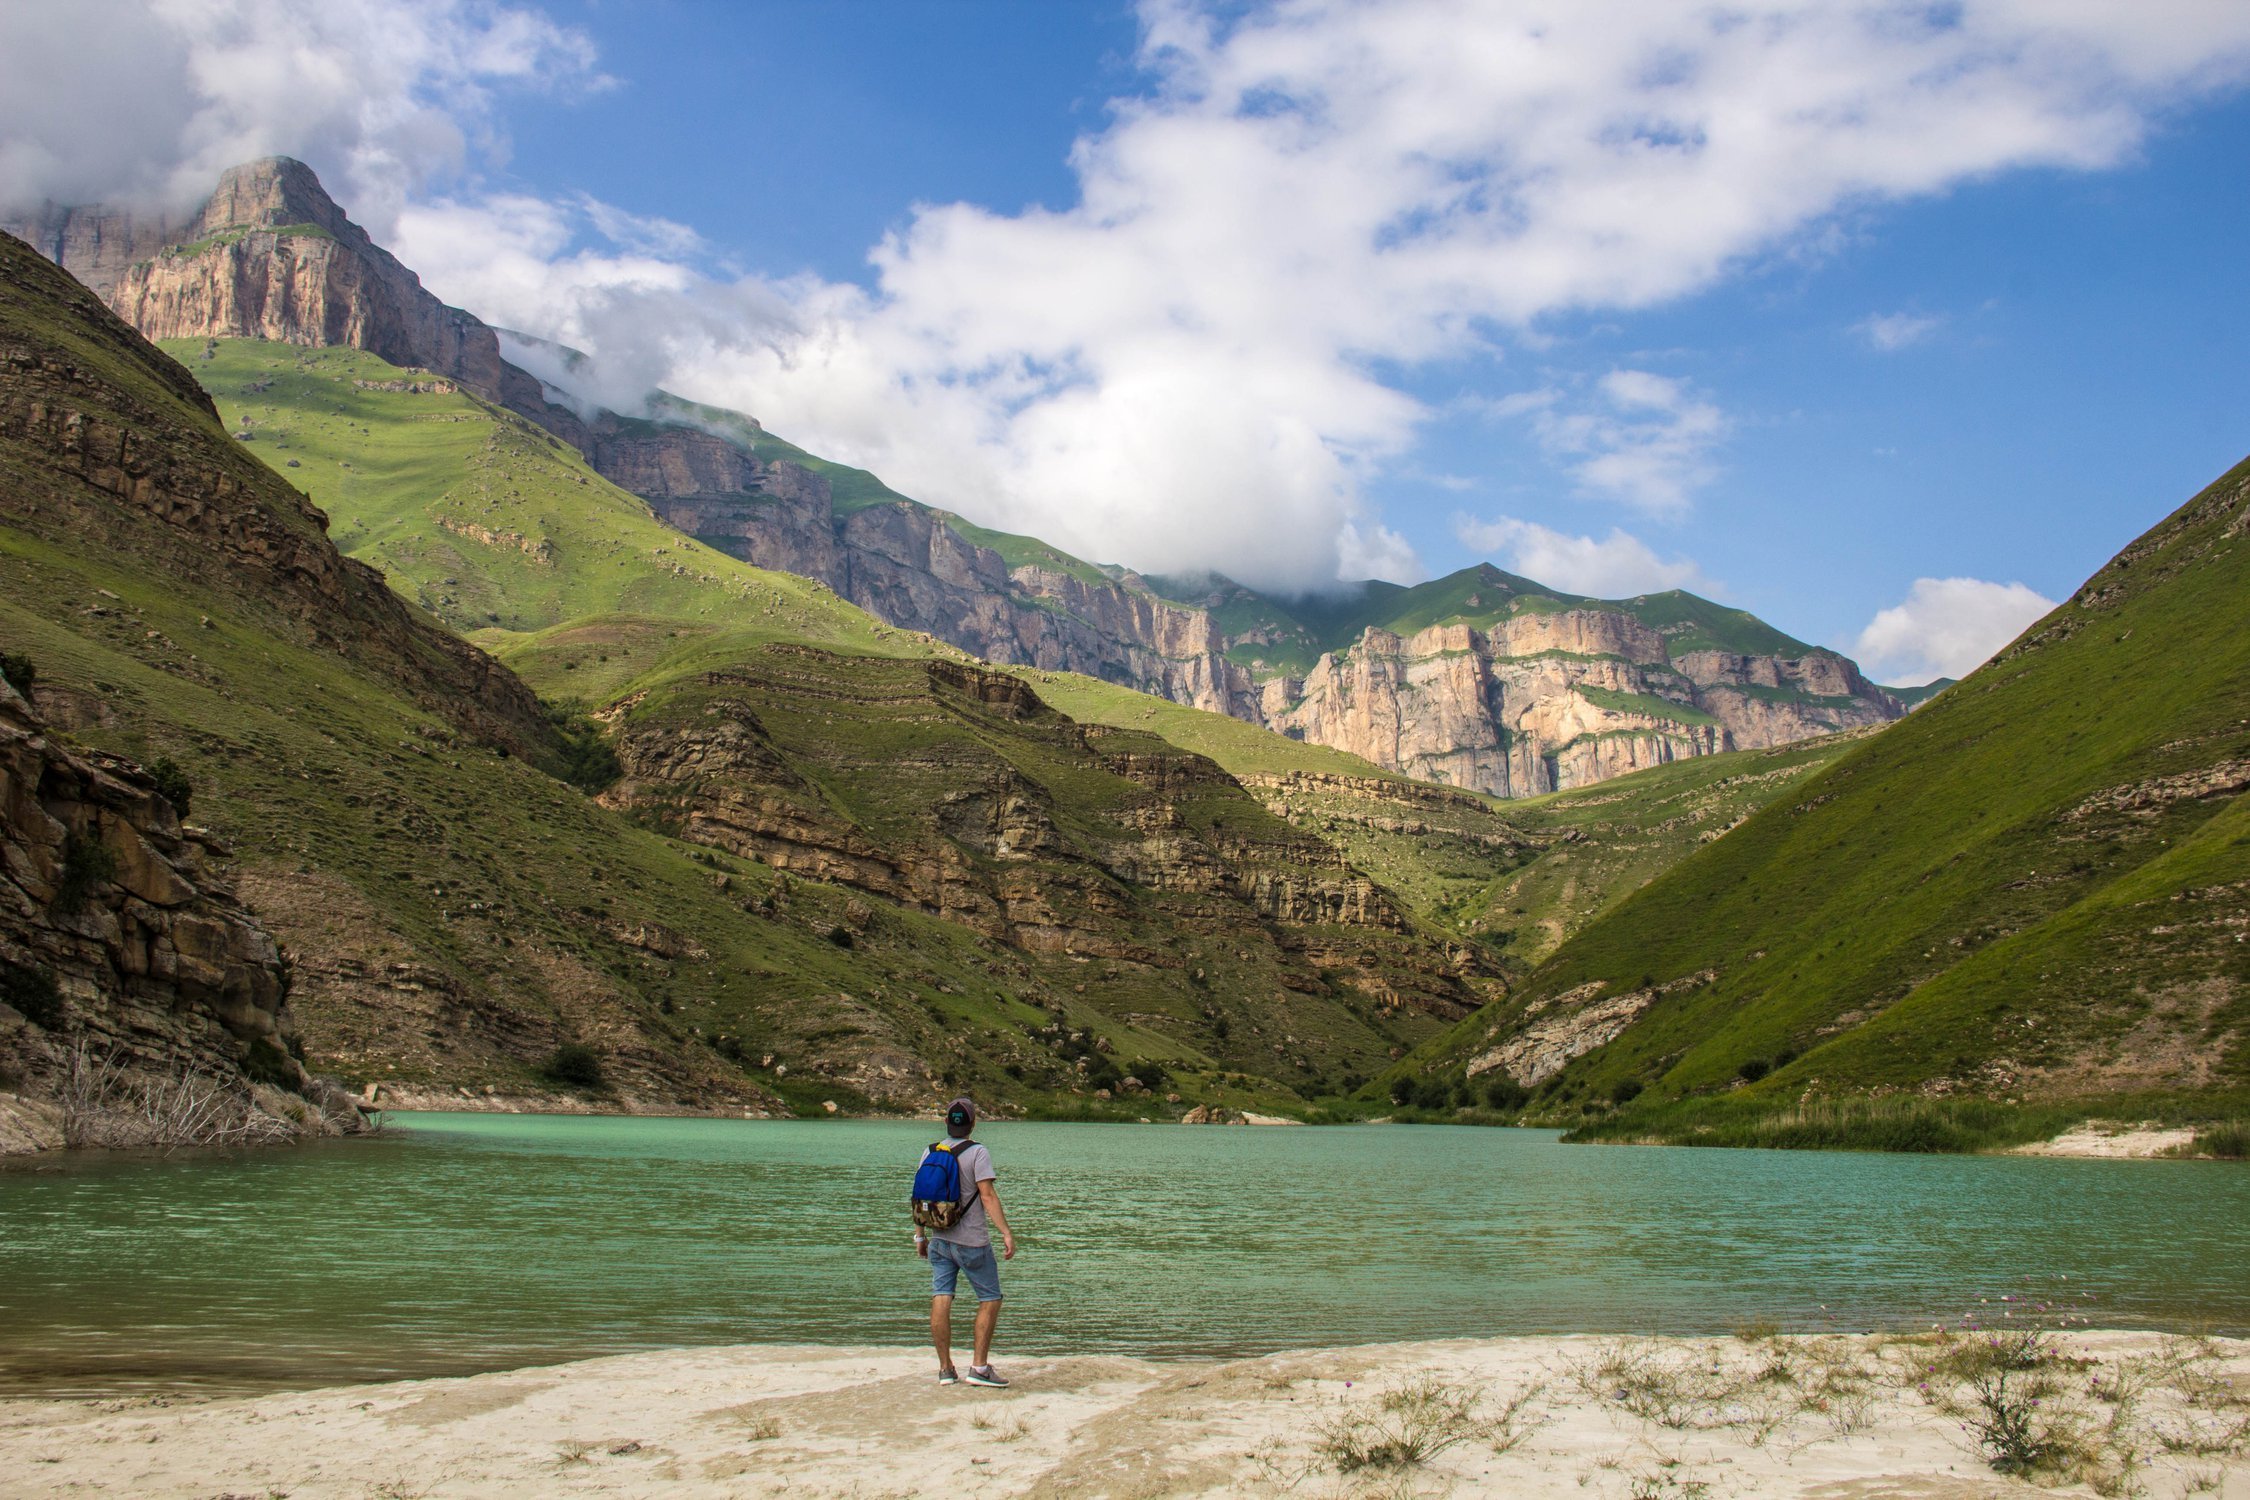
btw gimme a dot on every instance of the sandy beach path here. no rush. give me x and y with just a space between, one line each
1583 1417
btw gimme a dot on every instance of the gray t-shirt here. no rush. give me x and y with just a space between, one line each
973 1228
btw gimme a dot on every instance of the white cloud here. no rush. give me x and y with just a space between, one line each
147 101
1613 567
1192 366
1376 551
1889 332
1642 438
1946 627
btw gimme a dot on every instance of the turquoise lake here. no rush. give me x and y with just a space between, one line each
460 1243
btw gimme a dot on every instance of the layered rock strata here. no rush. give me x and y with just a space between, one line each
974 827
1544 702
268 256
119 928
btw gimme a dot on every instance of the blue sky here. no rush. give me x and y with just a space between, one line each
1888 323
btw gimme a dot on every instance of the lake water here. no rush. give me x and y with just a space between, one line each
476 1242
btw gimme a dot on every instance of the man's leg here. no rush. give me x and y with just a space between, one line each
941 1330
988 1318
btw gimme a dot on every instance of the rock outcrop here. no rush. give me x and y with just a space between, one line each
119 929
988 809
268 256
1543 702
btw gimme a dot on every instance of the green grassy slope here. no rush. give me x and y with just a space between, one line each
1125 885
452 912
482 518
610 607
559 554
2032 889
614 599
1610 839
608 604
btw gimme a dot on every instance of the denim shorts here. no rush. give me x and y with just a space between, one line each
949 1261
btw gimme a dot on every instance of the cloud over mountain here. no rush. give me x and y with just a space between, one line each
1613 567
1199 362
1946 627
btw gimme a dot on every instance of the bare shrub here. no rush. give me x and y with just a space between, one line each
1415 1422
104 1103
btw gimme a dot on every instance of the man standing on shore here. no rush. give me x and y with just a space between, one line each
965 1249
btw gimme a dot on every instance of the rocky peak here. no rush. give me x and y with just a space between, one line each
272 192
268 255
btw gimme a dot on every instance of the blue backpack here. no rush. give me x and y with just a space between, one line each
937 1186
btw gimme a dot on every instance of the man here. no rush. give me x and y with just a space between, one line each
966 1249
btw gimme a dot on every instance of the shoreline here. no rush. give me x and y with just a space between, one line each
31 1127
1581 1415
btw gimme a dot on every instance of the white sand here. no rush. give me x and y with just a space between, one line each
2113 1138
803 1422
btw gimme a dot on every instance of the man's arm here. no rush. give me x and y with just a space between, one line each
989 1191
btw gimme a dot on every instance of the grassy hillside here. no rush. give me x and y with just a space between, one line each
479 516
509 537
2033 890
453 912
597 598
1608 840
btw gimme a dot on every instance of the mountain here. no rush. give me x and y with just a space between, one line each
830 863
2034 891
502 532
268 255
1480 680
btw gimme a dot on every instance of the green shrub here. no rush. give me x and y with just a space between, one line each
2229 1141
1756 1068
841 936
1505 1094
33 994
576 1065
1625 1091
1151 1072
172 783
19 671
588 761
86 863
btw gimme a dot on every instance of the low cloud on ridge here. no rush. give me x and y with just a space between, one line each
1189 368
1617 566
1946 627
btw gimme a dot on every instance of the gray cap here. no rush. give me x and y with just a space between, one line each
960 1117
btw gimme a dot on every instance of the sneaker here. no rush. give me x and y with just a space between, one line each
949 1376
986 1375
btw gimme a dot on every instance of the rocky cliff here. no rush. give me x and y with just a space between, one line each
957 792
1569 692
1545 701
269 255
120 932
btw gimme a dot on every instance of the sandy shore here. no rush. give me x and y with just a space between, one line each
1584 1417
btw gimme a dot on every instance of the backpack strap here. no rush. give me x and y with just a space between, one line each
954 1150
